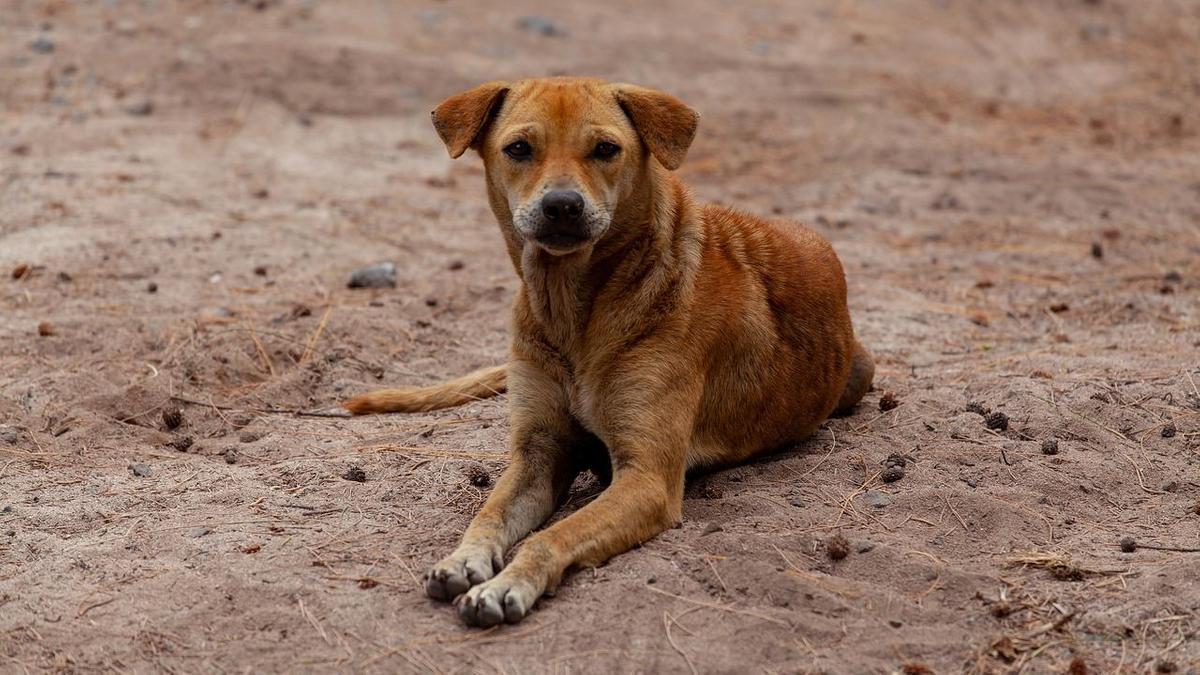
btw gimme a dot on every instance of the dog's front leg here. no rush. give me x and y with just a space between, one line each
645 498
544 460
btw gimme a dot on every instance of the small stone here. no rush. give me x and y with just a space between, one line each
46 329
7 509
892 474
977 408
20 271
152 287
261 270
431 302
837 548
356 474
197 532
1050 446
1173 277
456 265
895 624
9 434
876 498
140 470
888 401
796 502
1128 544
140 108
652 580
382 275
711 528
1169 430
42 45
971 482
540 25
864 547
172 418
997 421
231 455
182 443
895 459
249 436
1097 250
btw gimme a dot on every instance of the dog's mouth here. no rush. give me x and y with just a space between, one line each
560 243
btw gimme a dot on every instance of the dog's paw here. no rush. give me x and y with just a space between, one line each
499 600
461 570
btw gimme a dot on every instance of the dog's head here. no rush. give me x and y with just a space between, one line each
563 154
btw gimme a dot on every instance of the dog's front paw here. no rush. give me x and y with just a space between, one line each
501 599
460 571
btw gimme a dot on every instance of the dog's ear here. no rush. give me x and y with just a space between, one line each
665 124
461 119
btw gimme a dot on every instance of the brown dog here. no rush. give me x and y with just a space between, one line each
651 334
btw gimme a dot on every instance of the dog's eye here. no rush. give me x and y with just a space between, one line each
519 150
605 150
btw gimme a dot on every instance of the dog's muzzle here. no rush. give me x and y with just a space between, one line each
563 224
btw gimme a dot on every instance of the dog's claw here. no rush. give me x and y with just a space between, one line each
457 573
496 601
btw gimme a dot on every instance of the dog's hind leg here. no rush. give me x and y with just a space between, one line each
862 373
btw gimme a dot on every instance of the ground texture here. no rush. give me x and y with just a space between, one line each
1014 189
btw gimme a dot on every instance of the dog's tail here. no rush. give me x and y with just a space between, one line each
481 384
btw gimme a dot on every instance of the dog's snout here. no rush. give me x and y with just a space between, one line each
562 207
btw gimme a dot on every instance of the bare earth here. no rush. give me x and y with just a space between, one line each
1014 188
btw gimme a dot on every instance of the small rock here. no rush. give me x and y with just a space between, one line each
172 418
356 474
796 502
997 421
1169 430
711 528
971 482
182 443
1050 446
540 25
197 532
431 302
382 275
895 624
888 401
456 265
837 548
7 509
977 408
140 107
876 498
231 455
249 436
1128 544
140 470
152 287
652 580
864 547
46 329
1097 250
42 45
1059 307
20 271
895 459
892 474
260 270
9 434
1173 277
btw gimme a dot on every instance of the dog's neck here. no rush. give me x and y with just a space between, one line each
651 248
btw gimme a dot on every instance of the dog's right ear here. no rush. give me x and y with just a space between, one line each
461 119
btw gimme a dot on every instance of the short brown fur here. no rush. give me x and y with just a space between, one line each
682 336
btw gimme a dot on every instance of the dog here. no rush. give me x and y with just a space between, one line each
651 335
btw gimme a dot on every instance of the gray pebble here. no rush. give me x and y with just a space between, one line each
9 434
382 275
876 498
892 474
140 107
541 25
42 45
864 547
197 532
140 470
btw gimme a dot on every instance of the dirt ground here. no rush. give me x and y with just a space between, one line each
185 187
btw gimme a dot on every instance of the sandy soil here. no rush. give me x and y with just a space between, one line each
185 187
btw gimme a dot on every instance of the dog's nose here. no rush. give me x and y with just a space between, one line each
562 207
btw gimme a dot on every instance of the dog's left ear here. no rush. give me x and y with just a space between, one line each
461 119
665 124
